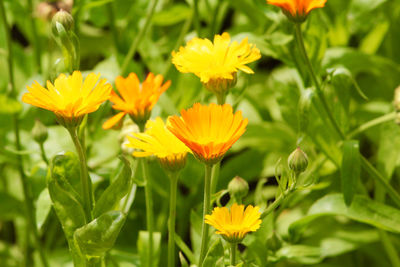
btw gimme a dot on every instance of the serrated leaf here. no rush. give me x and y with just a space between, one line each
116 191
98 236
350 170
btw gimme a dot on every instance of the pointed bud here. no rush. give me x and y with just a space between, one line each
65 19
39 132
238 188
298 161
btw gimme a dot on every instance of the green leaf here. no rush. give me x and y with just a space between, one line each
183 260
43 207
63 170
9 105
98 236
362 209
116 191
350 170
214 254
343 81
10 207
171 16
305 103
143 247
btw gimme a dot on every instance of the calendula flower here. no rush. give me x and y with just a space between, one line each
137 100
71 97
158 141
297 10
216 64
235 223
209 131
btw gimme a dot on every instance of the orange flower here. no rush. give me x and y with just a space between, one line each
137 100
209 131
297 10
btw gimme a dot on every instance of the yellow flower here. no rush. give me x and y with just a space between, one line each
216 63
233 225
209 131
137 100
297 10
158 141
70 98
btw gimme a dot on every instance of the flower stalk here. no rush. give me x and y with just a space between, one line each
172 217
206 210
233 254
85 179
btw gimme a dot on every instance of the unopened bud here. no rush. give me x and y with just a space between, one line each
65 19
238 188
298 161
39 132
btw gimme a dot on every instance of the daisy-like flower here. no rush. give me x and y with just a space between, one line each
158 141
137 100
71 97
297 10
235 223
209 131
216 64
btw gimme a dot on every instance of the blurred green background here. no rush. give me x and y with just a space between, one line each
353 45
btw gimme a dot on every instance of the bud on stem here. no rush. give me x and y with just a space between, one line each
238 188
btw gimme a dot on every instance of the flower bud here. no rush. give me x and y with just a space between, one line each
39 132
298 161
65 19
238 188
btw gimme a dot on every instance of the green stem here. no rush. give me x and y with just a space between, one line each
182 34
300 43
233 254
372 123
381 179
113 28
85 179
185 249
215 177
149 209
273 206
172 218
43 153
196 20
389 248
30 208
206 210
214 19
36 42
139 36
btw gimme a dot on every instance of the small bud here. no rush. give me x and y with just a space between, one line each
298 161
39 132
238 188
65 19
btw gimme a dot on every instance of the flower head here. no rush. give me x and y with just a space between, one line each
158 141
209 131
71 97
136 99
297 10
233 225
216 64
